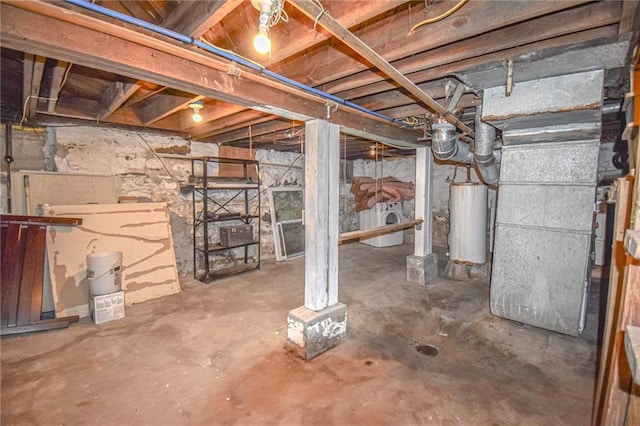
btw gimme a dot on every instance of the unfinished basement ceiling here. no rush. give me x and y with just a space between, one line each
67 65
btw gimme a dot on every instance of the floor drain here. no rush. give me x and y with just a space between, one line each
427 350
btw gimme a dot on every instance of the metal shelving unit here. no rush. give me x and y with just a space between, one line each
220 200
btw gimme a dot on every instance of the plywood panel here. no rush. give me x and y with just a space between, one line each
140 231
60 189
237 170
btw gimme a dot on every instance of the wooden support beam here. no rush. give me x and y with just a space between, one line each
567 25
396 45
337 30
363 234
630 19
322 164
44 29
423 241
165 104
138 10
258 131
610 351
196 17
116 94
57 81
351 87
27 78
33 69
191 17
216 118
348 13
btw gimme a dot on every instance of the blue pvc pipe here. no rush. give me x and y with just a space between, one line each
225 54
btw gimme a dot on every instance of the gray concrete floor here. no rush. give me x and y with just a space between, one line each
213 354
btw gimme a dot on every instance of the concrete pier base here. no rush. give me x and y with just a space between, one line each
462 271
421 269
310 333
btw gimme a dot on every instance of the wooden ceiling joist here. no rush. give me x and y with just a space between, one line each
115 95
395 45
57 81
196 17
351 13
313 10
43 28
191 18
163 105
549 27
230 122
33 69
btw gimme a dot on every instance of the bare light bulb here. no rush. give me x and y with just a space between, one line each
262 43
196 107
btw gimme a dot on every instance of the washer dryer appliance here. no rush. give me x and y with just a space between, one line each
380 215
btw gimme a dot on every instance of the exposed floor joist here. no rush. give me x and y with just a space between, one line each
138 56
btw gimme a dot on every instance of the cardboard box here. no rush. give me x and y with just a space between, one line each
107 307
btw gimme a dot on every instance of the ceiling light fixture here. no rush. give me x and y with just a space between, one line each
196 107
262 43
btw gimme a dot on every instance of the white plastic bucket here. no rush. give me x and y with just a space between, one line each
103 272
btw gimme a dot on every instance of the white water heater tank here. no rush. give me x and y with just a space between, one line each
468 222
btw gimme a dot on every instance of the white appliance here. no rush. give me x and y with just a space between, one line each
380 215
468 223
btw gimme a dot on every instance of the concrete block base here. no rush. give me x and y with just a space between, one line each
422 270
462 271
310 333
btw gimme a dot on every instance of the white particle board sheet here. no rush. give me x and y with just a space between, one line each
140 231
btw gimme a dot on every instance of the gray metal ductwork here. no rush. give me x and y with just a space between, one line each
483 152
447 146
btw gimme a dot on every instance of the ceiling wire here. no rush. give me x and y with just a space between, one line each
448 13
322 11
157 157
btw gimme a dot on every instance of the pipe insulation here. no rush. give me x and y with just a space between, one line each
227 55
483 151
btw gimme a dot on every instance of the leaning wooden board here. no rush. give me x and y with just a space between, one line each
140 231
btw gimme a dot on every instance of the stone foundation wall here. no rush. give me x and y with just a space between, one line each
130 156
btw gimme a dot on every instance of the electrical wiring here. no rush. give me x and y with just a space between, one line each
278 13
411 121
276 180
315 22
26 103
448 13
157 157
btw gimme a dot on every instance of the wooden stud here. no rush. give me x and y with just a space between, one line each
347 237
57 80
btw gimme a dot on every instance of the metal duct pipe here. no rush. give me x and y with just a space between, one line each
447 146
483 155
